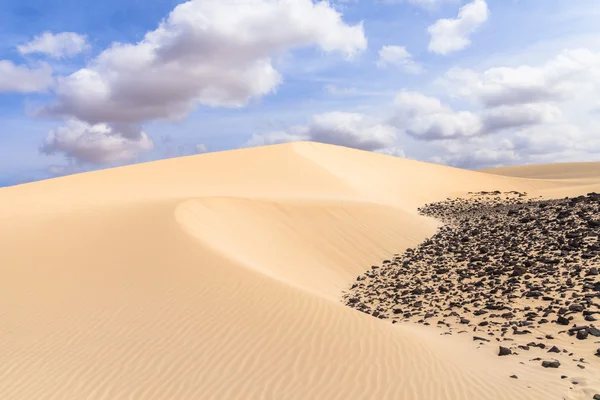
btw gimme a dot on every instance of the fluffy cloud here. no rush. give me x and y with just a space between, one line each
398 56
212 53
22 79
451 35
94 144
200 148
345 129
205 52
561 142
426 118
545 112
561 78
473 155
506 117
60 45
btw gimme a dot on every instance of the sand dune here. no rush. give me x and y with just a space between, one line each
220 276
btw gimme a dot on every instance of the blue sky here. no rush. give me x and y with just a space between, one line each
521 86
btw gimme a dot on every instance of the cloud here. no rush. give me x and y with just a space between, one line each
505 117
451 35
394 151
60 45
340 128
544 112
565 76
398 56
200 148
22 79
94 144
426 118
205 53
471 156
548 143
211 53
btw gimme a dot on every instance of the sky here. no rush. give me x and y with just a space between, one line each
87 85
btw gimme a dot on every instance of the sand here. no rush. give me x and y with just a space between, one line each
220 276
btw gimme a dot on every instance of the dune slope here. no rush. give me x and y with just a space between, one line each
220 276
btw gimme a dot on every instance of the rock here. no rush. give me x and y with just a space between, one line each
550 364
504 351
554 349
514 377
582 334
576 307
594 331
562 320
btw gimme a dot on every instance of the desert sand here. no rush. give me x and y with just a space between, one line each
220 276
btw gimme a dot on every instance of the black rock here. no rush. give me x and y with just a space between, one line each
594 331
582 334
504 351
576 307
550 364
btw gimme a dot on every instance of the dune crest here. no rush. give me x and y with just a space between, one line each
220 276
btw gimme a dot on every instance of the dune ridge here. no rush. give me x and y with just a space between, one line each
220 276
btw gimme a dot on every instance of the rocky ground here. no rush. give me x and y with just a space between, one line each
516 273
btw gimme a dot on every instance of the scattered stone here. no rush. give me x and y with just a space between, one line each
554 349
501 264
550 364
504 351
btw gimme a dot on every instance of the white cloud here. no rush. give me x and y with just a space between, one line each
451 35
340 128
566 76
60 45
505 117
398 56
545 112
201 148
475 156
392 151
546 143
22 79
212 53
209 53
426 118
95 144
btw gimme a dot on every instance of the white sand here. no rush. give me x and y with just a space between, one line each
219 276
